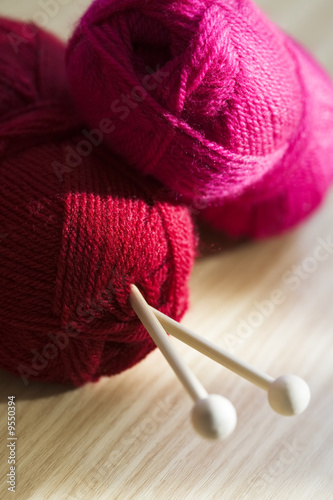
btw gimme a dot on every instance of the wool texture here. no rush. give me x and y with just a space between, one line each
77 228
214 101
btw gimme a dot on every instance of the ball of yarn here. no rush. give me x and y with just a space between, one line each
296 185
77 229
33 84
213 100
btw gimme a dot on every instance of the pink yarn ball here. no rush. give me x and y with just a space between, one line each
213 100
296 185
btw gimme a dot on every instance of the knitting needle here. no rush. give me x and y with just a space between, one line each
213 416
287 395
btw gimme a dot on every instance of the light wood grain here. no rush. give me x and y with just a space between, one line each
129 437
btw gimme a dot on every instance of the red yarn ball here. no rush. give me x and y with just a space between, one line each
77 230
214 101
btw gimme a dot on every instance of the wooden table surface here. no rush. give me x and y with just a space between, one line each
130 437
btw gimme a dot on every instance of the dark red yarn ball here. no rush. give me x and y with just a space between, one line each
75 233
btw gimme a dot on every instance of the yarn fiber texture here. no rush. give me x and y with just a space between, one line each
213 100
75 232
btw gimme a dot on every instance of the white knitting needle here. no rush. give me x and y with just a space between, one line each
213 416
287 395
